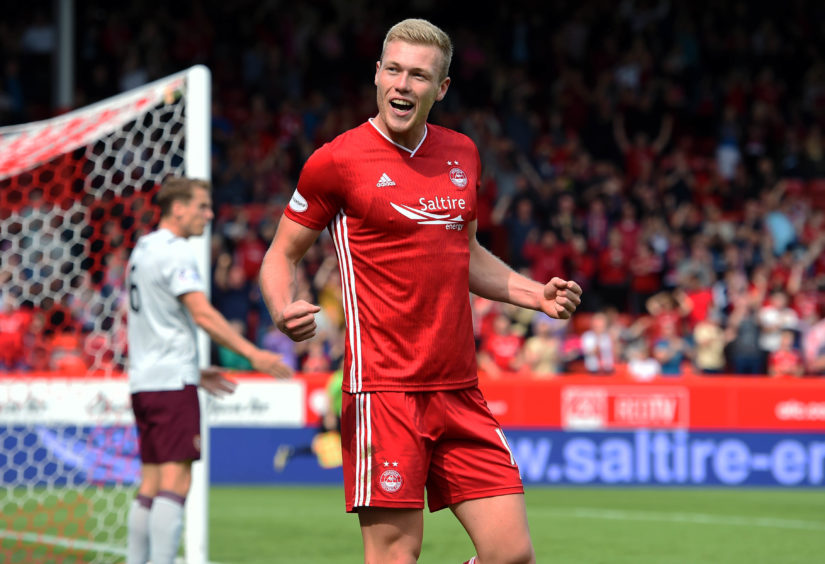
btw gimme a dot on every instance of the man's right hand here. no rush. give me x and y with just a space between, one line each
298 320
270 363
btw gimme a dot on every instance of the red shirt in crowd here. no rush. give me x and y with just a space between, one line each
784 363
503 349
612 267
13 327
546 261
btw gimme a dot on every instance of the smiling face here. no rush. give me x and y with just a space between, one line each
408 82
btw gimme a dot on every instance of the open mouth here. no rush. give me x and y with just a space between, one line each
401 105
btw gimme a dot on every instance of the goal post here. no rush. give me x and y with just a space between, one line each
75 194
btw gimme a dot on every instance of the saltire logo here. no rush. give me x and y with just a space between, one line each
426 218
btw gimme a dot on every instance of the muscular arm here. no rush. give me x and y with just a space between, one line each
278 284
492 279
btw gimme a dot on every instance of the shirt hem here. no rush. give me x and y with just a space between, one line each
408 388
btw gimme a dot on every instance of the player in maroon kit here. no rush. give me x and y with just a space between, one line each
398 196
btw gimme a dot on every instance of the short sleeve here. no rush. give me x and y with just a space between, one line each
316 200
182 274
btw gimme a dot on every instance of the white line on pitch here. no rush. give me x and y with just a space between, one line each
696 518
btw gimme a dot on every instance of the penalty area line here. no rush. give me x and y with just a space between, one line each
691 518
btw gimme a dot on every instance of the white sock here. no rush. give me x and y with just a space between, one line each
165 524
137 551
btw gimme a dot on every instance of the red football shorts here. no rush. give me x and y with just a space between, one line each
168 425
397 443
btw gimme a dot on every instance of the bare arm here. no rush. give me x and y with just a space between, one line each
492 279
215 324
296 319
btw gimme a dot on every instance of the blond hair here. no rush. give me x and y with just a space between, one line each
178 189
422 32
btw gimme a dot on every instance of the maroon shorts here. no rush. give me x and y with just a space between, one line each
168 425
396 444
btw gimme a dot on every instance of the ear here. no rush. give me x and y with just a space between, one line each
176 208
377 70
442 89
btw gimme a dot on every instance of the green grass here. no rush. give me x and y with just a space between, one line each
582 526
308 525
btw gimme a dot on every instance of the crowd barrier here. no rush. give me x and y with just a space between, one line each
573 430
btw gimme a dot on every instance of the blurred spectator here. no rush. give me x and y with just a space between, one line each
542 352
814 349
786 360
231 290
612 273
598 346
695 299
546 256
316 359
709 345
519 223
744 352
15 323
641 366
500 349
249 253
645 278
775 317
582 266
670 350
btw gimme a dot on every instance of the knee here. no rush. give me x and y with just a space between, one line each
512 553
392 555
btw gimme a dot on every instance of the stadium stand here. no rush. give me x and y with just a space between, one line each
656 151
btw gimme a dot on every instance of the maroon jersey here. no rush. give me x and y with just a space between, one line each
399 220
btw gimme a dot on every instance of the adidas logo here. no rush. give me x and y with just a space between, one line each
384 181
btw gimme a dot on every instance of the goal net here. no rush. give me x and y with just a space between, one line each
75 194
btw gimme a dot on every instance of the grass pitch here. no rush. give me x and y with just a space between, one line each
260 525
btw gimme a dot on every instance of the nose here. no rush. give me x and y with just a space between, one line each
402 82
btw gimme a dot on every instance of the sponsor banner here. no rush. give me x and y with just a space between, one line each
603 407
103 455
604 403
260 403
94 401
669 458
69 401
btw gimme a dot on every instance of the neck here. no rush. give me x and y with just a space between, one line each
171 225
409 140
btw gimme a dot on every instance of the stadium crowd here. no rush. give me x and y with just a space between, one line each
667 155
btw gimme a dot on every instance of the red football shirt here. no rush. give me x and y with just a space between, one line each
398 219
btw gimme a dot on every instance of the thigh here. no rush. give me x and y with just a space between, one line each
498 527
385 455
391 535
472 459
175 477
168 424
